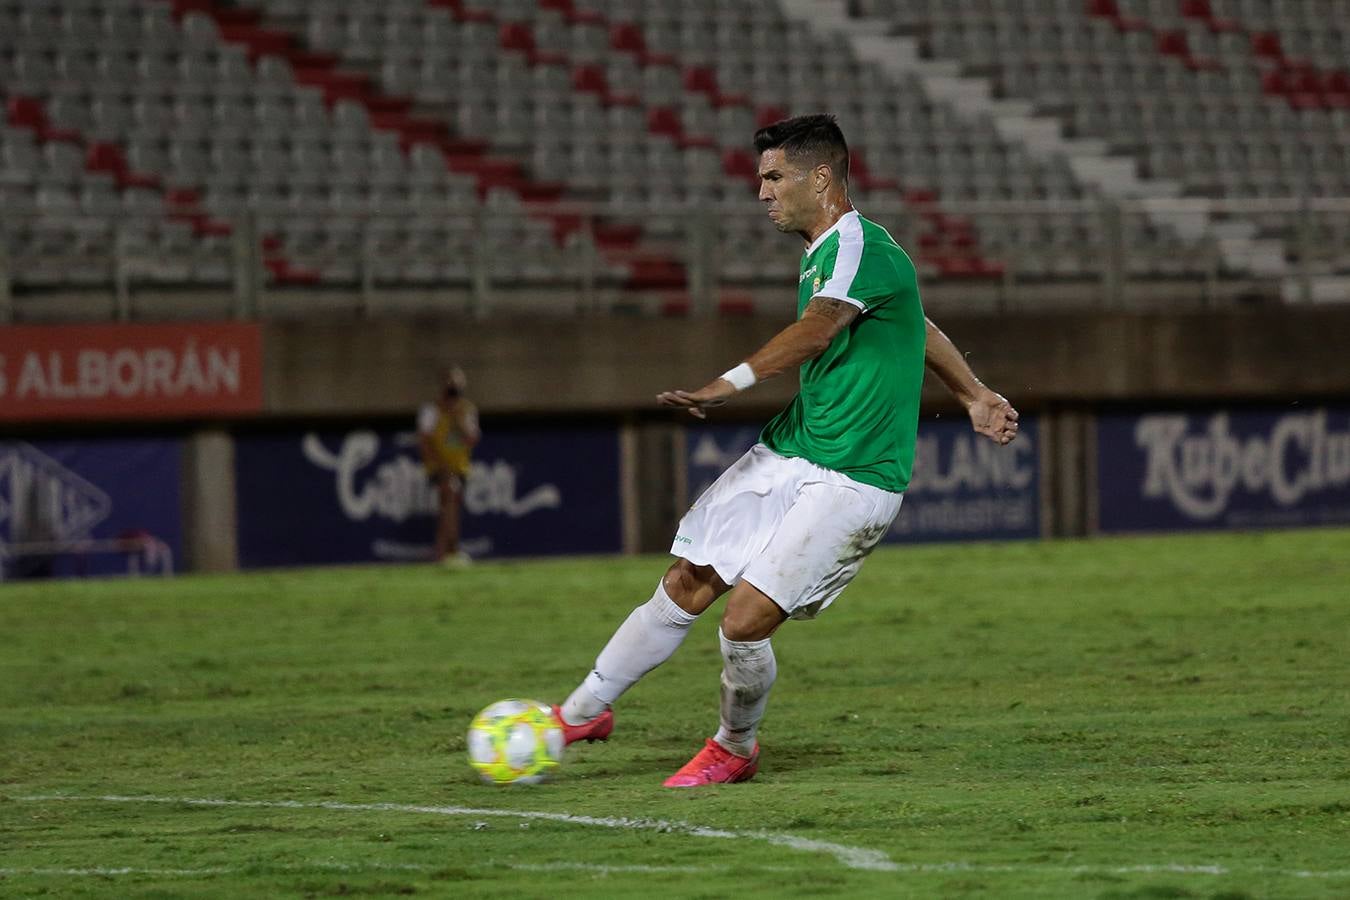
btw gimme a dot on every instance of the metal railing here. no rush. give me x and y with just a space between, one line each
1106 253
145 555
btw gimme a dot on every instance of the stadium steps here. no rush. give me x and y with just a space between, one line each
240 27
345 79
107 157
620 242
248 27
950 244
1092 161
1298 82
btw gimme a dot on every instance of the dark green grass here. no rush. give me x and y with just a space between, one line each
1068 719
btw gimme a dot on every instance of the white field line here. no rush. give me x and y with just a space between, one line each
111 871
851 857
606 869
115 871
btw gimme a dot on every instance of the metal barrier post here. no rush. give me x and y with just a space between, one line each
480 297
1008 286
6 292
1113 265
1007 282
700 282
1305 246
246 265
367 273
586 270
121 275
256 267
1211 274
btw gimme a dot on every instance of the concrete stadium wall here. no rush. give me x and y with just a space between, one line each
616 366
1064 367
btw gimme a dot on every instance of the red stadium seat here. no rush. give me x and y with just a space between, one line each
664 121
1267 44
738 163
1173 43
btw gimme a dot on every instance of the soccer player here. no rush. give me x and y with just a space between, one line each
447 431
789 524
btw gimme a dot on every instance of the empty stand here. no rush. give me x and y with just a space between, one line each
539 142
1230 98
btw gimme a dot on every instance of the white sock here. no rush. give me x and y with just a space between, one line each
647 638
748 672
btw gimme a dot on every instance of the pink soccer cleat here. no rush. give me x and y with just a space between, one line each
715 764
596 729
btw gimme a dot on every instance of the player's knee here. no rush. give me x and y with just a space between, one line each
750 615
745 625
692 588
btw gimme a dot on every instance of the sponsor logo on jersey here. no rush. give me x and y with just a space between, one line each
807 274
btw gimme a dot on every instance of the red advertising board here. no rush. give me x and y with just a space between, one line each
188 370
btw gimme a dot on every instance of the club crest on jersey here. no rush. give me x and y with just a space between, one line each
815 285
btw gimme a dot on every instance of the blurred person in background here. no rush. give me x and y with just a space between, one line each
447 431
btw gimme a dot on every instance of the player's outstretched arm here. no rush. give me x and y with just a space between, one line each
807 338
990 413
467 424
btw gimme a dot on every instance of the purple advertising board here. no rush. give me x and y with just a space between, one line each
90 507
964 487
1223 469
360 495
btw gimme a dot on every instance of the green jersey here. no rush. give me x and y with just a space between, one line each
858 408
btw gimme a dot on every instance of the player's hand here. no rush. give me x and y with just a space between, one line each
994 417
714 393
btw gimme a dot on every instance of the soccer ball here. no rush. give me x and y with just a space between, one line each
515 742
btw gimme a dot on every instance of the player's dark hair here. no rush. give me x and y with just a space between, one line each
813 140
452 382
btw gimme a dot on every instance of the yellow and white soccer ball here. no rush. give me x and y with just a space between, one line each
515 742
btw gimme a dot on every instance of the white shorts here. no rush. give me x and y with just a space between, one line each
796 531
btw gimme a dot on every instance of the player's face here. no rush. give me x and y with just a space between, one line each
786 190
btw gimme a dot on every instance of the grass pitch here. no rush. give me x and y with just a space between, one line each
1132 718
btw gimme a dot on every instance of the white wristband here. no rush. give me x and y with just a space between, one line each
740 377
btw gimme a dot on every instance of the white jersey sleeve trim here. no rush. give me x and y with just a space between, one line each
850 217
846 264
471 428
426 418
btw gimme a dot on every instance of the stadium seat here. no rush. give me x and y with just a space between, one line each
415 109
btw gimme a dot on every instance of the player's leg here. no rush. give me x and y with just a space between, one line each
719 535
454 516
444 511
748 673
817 550
648 637
748 665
